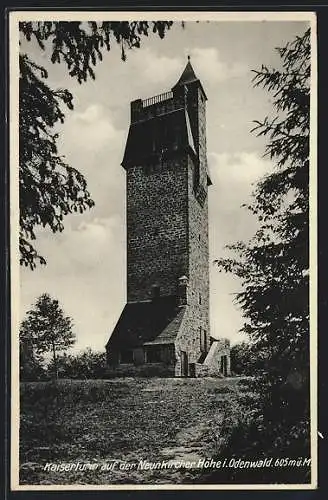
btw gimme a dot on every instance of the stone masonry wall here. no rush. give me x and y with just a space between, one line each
196 324
157 239
167 224
197 312
223 349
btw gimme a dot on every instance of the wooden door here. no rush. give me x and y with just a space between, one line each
184 364
224 365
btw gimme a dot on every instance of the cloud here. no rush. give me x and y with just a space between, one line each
86 271
91 129
81 245
207 62
91 143
234 177
156 68
235 174
87 262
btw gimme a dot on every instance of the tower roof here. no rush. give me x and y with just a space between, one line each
188 76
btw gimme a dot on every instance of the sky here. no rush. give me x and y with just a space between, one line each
86 263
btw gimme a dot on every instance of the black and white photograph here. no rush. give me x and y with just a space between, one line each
163 250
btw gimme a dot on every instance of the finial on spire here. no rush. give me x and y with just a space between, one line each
188 76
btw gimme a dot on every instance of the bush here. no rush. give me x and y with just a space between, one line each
30 367
265 425
248 359
85 365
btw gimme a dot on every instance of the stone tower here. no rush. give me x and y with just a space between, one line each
164 327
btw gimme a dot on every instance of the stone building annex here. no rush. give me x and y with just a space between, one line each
164 328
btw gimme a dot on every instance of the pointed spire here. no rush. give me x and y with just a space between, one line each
188 76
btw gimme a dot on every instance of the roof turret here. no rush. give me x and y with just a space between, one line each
188 76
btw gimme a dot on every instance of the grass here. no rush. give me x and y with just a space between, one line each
128 420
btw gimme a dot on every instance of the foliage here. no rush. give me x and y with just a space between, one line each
247 359
49 189
240 359
246 434
85 365
273 266
46 330
30 363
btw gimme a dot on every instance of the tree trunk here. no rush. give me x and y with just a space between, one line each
55 360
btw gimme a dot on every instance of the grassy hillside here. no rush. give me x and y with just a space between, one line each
119 428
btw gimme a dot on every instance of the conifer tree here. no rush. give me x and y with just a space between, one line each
273 267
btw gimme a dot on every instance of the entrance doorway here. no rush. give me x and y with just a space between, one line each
224 365
184 364
192 369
